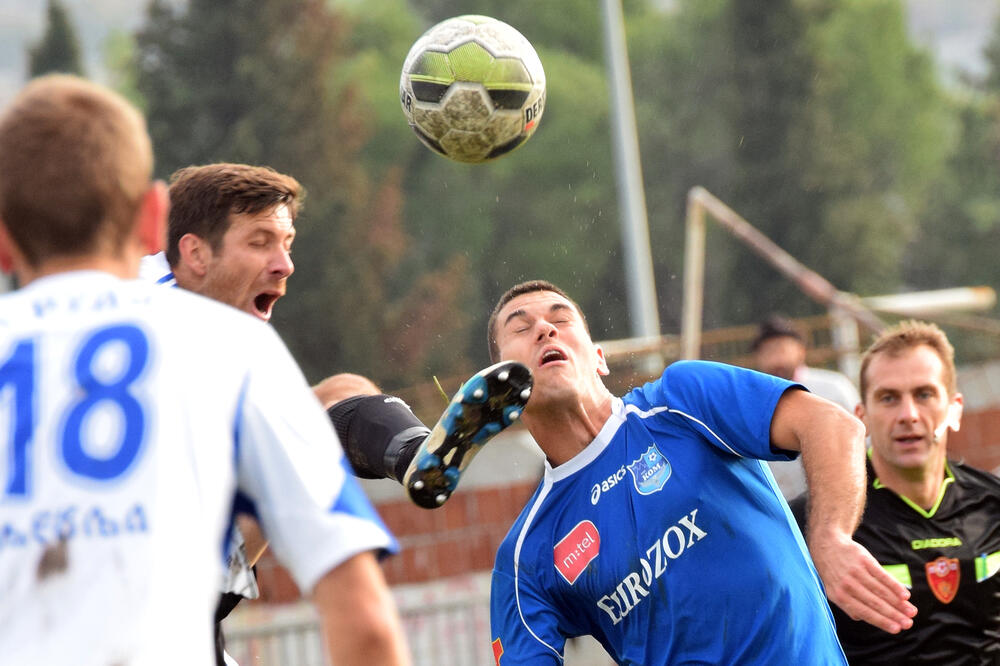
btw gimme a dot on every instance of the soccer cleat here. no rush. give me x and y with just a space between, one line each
486 404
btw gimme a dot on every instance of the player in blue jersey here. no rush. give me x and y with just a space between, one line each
135 416
657 527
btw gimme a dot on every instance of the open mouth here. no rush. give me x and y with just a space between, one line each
263 303
551 356
909 440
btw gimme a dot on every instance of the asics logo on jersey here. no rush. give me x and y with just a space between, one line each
606 485
636 586
576 550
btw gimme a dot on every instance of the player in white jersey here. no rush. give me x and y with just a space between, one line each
230 233
133 415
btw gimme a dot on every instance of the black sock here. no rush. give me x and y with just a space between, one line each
379 433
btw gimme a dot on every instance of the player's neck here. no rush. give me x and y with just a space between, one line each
123 267
922 486
564 430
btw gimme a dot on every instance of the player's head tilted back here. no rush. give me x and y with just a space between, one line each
75 168
537 324
230 233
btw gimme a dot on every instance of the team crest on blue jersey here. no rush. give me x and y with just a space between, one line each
650 471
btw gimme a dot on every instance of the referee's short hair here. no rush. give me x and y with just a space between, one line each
906 335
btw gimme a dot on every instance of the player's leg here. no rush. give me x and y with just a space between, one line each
488 402
383 439
379 433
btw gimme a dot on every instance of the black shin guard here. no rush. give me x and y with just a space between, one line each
379 433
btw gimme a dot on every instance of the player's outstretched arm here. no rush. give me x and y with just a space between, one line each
833 454
358 615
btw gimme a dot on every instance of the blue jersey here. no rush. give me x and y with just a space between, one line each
667 538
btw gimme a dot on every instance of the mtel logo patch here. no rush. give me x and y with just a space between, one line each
576 550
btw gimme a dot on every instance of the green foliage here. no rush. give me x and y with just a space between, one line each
59 48
270 89
817 120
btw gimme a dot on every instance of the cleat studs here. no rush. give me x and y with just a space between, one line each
477 394
514 415
525 394
418 485
503 376
441 499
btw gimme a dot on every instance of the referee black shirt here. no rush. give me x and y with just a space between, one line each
948 557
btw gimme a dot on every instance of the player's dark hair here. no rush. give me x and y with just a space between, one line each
776 326
75 162
512 293
905 335
203 197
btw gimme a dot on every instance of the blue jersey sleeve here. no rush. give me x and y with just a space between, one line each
730 406
523 626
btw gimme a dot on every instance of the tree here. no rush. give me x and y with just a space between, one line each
817 121
282 87
59 49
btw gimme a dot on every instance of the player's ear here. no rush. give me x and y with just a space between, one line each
955 412
859 411
6 250
195 253
602 362
152 223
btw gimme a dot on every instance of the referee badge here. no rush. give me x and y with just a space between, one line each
942 575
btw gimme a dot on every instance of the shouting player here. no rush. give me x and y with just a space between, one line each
230 233
135 414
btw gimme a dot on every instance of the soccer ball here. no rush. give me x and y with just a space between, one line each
472 88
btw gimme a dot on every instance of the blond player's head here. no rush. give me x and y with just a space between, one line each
75 167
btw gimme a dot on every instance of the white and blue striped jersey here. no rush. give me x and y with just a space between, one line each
154 268
134 417
238 577
667 538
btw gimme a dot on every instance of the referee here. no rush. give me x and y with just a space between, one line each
933 523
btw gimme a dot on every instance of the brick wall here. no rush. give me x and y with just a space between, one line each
978 442
463 535
458 538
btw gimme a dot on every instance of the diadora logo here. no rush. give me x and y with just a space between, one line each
650 471
576 550
942 542
637 585
606 485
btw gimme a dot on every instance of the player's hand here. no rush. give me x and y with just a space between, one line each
856 582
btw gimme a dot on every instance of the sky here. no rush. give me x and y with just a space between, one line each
955 31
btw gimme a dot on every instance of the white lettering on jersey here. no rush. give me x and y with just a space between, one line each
636 585
606 485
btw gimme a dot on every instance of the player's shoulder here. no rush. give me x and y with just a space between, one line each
155 269
973 478
184 314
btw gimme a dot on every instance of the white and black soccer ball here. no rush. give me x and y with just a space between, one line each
472 88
